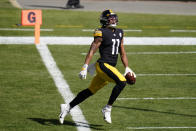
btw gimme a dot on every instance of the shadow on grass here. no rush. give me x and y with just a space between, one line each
150 110
49 122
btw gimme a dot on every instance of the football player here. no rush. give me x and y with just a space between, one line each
109 40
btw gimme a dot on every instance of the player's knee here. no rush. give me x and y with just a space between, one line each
87 93
121 85
92 91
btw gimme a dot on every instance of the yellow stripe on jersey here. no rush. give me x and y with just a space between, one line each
98 33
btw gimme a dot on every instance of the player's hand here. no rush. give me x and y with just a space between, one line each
83 72
127 69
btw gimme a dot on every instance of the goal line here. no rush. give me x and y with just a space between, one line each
142 128
159 98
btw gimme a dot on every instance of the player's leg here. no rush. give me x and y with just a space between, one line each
81 96
96 84
113 76
108 108
65 108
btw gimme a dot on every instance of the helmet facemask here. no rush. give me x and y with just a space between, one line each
113 20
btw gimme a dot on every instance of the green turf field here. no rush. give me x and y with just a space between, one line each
30 101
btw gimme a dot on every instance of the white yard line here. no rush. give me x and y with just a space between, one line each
183 31
161 53
166 74
155 53
160 41
127 30
132 30
88 30
159 98
88 40
150 128
63 87
15 4
26 29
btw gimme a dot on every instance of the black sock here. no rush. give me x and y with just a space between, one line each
115 93
80 97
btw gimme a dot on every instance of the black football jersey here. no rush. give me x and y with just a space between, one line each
110 45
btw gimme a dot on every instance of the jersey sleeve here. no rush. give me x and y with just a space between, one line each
122 33
97 33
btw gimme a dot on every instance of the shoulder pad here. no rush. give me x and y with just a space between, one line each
97 33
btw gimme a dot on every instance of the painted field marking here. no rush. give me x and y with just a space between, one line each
127 30
15 4
155 53
63 87
88 30
160 98
69 26
88 40
15 29
183 31
166 74
134 30
142 128
161 53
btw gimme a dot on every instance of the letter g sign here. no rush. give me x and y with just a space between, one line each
31 17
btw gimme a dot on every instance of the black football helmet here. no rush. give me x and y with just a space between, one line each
106 16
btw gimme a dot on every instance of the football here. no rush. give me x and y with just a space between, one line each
130 78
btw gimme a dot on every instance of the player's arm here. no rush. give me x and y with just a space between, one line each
125 60
93 48
123 55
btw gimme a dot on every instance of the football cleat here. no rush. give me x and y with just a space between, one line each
106 111
65 109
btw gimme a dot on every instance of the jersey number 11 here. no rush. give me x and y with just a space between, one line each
116 43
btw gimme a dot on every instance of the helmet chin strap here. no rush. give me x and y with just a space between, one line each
112 25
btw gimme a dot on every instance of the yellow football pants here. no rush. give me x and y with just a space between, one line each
105 74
